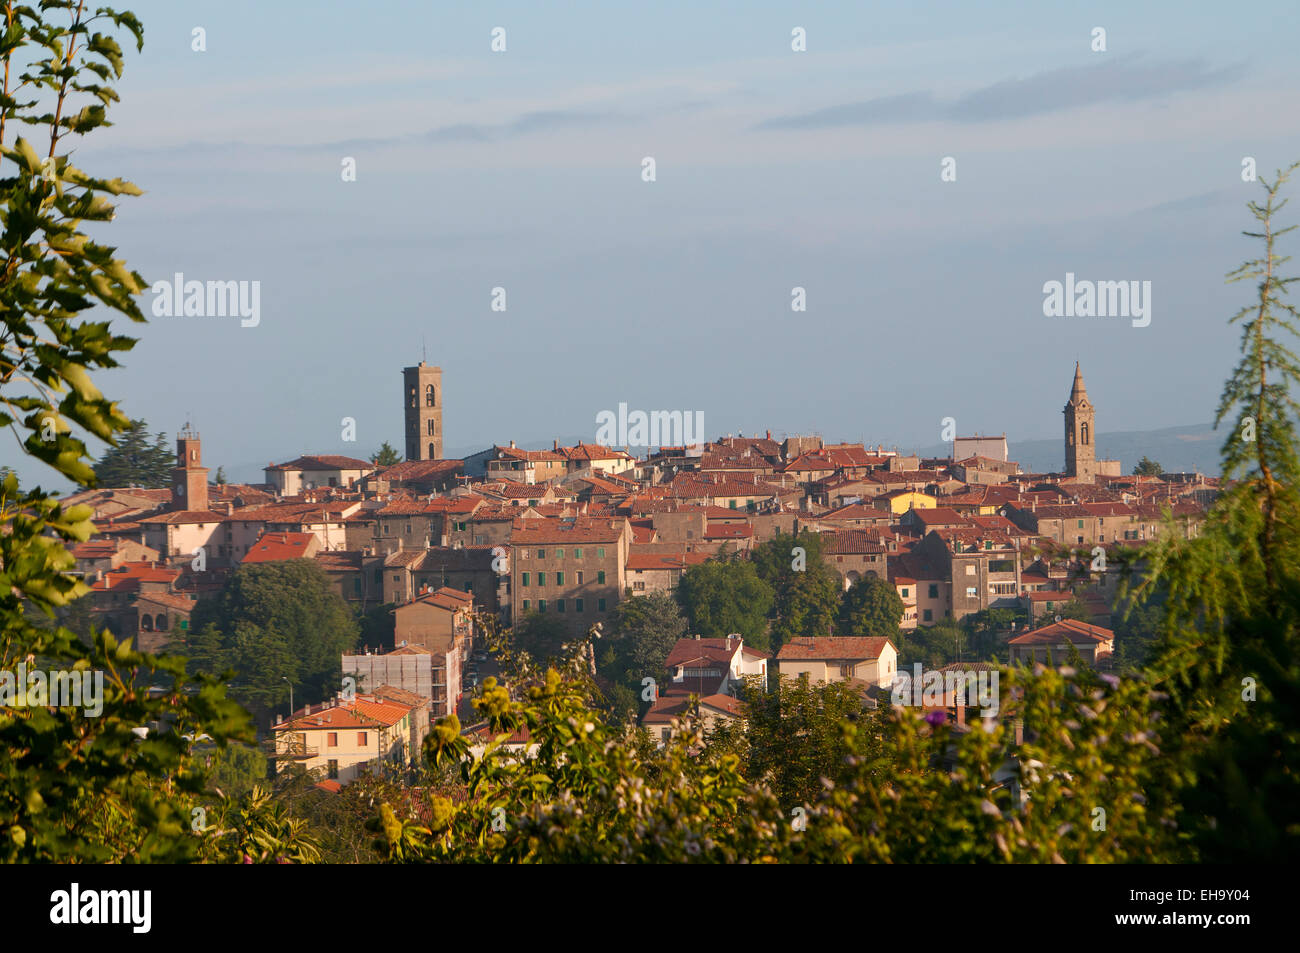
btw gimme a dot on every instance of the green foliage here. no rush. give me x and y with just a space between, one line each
871 608
1075 608
385 456
134 462
1228 657
805 600
274 621
726 596
235 769
642 631
255 829
794 735
220 478
900 789
1148 467
541 635
75 787
934 646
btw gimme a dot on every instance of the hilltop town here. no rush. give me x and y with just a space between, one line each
571 532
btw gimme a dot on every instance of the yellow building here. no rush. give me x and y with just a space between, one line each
900 501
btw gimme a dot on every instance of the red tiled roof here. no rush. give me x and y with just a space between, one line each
324 462
272 547
833 647
1054 632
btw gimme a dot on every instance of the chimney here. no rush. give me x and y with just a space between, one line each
555 445
512 444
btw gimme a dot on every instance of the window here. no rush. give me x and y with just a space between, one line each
928 616
430 396
334 769
906 591
971 592
525 605
600 553
934 592
1080 524
559 605
580 577
432 428
600 605
332 739
600 577
847 670
970 569
541 578
541 554
577 605
577 553
361 739
523 579
541 605
559 553
639 586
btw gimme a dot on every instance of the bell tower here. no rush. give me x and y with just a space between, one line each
189 476
1080 433
422 405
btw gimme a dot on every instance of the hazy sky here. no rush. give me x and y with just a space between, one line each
821 169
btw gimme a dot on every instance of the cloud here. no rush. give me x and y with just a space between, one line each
1120 79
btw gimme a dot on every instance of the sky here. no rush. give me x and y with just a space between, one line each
774 169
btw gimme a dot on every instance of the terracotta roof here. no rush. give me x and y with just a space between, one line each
842 542
272 547
1072 629
687 651
362 712
579 530
323 462
833 647
187 516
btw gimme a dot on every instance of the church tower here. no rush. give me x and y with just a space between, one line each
422 395
189 476
1080 433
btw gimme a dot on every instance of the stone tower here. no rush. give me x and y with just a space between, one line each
1080 433
422 393
189 476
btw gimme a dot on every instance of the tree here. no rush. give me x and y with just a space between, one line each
220 478
275 621
133 461
236 770
385 456
1147 467
725 596
1229 655
871 607
543 636
794 735
642 631
75 788
1076 609
806 591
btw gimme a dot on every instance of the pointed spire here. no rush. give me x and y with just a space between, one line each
1078 390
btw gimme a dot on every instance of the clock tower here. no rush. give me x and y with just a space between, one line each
189 476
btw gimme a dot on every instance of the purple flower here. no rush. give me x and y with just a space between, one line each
1111 680
936 717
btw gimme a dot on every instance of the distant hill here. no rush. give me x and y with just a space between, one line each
1176 449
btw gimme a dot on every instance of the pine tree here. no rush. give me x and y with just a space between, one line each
1228 656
